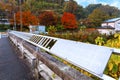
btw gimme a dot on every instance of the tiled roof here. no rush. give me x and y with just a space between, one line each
112 20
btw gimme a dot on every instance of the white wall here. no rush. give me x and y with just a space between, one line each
104 24
112 24
106 31
117 25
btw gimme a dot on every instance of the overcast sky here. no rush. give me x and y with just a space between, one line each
85 3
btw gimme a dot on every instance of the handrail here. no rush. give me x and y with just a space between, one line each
62 43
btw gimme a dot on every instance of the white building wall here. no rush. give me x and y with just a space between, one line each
106 31
104 24
117 25
112 24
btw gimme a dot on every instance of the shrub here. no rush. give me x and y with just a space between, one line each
52 30
4 27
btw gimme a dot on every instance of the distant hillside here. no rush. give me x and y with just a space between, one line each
58 6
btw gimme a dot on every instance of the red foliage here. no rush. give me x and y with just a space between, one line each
69 21
48 18
27 18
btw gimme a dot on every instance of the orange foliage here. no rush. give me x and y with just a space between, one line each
69 21
27 18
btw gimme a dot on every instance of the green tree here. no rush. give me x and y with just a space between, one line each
39 6
97 17
86 22
90 8
110 10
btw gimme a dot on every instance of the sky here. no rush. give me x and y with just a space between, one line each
85 3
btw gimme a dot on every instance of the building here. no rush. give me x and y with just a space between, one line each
112 23
4 22
106 30
37 29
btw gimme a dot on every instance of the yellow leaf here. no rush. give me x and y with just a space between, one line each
110 66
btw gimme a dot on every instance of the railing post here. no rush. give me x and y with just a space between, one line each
22 49
37 49
0 35
35 62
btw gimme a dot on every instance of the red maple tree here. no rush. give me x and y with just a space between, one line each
48 18
69 21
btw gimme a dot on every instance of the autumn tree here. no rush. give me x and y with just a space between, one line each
70 6
27 19
48 18
73 7
8 7
69 21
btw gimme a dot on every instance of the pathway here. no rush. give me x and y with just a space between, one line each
11 67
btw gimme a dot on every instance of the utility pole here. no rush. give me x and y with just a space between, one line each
14 21
20 15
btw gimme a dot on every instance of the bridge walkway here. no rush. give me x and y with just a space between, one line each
11 66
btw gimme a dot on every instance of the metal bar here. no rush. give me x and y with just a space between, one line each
48 43
116 51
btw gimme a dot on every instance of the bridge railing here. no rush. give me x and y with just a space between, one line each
37 61
89 57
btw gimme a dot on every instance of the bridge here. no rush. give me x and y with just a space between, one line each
39 53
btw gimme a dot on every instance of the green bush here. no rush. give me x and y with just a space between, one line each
51 30
4 27
82 35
